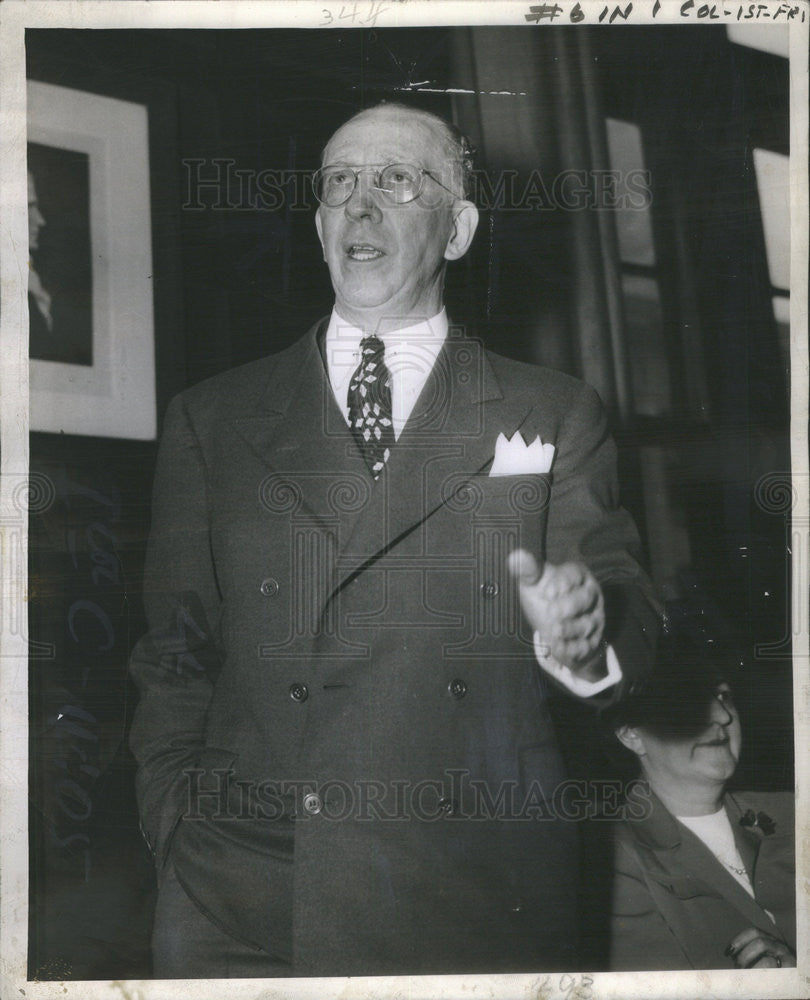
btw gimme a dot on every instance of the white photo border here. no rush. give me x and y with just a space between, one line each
15 15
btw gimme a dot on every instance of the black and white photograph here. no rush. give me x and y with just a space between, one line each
404 416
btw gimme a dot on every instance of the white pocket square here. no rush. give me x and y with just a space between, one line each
516 458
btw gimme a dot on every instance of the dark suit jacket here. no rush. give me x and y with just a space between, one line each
365 641
676 907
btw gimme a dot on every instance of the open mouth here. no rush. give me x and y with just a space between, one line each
363 252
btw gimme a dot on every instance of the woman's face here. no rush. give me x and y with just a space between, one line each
708 758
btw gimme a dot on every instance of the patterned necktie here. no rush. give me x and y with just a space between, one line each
369 400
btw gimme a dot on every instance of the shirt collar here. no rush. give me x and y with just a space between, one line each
342 333
342 343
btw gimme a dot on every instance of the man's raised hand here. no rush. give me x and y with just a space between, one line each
565 606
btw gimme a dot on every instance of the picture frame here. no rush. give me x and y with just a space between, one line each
110 392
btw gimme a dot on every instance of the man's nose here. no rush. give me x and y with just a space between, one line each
363 203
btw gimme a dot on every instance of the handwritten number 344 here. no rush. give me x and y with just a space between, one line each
350 13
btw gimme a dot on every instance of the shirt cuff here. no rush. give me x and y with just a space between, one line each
565 676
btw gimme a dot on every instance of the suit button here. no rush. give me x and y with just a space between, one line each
269 587
447 807
312 803
517 906
490 589
457 688
299 692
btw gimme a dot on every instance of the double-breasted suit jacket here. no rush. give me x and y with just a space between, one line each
676 907
344 663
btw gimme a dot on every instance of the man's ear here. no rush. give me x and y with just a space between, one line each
465 222
319 227
632 739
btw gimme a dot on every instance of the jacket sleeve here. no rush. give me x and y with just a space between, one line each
175 664
587 524
639 936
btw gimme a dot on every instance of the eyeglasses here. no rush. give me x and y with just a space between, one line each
398 182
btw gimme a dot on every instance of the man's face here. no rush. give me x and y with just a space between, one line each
706 759
35 219
387 261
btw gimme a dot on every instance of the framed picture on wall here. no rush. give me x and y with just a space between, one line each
91 325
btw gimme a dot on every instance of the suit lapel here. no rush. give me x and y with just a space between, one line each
297 430
681 854
696 858
760 852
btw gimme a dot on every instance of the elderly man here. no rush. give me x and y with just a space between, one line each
347 763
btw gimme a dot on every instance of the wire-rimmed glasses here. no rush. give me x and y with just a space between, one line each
400 183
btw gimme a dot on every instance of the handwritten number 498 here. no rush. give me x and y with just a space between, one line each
571 987
576 987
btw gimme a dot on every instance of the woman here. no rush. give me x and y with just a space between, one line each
704 879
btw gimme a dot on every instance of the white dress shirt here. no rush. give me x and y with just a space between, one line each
410 354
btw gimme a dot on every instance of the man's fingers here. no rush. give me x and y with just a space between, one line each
571 651
584 627
557 581
563 603
580 602
524 567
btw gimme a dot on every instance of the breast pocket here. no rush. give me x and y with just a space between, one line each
514 505
511 513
